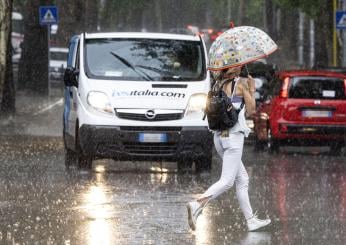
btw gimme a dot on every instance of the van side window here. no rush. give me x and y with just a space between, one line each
77 58
71 52
71 58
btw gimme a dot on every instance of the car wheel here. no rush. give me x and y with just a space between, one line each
335 148
272 144
84 162
70 158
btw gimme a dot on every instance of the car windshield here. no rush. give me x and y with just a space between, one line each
54 55
317 88
145 59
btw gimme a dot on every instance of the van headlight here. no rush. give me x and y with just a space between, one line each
99 101
196 103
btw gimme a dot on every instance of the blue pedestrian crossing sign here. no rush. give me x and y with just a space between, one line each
48 15
340 19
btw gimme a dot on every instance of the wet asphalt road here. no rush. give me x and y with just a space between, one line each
303 191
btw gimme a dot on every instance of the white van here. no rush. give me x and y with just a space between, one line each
137 96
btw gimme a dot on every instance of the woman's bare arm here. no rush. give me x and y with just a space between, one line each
248 90
245 88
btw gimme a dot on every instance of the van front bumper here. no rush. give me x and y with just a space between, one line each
144 143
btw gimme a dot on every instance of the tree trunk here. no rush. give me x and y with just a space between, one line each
158 16
6 77
5 22
91 15
241 13
8 103
324 28
80 16
33 67
71 21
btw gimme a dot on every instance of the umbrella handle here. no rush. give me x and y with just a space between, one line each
247 71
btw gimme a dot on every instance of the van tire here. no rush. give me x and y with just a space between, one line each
70 157
272 144
204 163
83 161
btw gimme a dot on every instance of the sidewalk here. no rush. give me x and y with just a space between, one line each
35 115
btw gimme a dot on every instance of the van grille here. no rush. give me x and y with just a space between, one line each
163 149
150 129
142 117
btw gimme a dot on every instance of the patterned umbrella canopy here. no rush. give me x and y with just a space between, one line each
238 46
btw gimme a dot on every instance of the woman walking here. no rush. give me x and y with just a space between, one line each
229 146
230 51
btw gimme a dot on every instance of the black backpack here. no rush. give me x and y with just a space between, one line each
219 110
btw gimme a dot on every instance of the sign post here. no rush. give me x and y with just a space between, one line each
48 16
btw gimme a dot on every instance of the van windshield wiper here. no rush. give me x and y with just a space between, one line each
155 69
128 64
168 75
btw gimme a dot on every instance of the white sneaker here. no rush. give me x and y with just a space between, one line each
255 223
193 210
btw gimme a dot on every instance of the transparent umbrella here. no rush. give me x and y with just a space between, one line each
239 46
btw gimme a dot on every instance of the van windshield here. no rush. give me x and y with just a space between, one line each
144 59
317 88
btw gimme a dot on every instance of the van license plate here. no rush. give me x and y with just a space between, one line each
152 138
314 113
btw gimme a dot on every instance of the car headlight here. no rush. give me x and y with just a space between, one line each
196 103
99 101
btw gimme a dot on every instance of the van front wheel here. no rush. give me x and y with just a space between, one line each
70 157
85 162
204 163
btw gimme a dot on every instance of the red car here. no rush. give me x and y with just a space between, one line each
305 107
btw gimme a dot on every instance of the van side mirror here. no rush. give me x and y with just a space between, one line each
70 77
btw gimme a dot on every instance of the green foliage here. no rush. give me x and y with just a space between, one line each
309 7
254 12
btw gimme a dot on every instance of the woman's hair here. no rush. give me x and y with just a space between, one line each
221 74
217 75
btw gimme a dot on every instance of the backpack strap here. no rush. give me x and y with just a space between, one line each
216 85
232 88
242 104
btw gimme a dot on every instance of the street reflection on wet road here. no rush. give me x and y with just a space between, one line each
302 190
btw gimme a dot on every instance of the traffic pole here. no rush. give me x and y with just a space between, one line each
48 38
344 38
334 36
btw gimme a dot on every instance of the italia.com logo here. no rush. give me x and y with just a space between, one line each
149 93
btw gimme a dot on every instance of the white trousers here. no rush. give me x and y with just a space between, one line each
230 150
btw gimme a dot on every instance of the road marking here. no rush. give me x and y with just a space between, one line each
47 108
